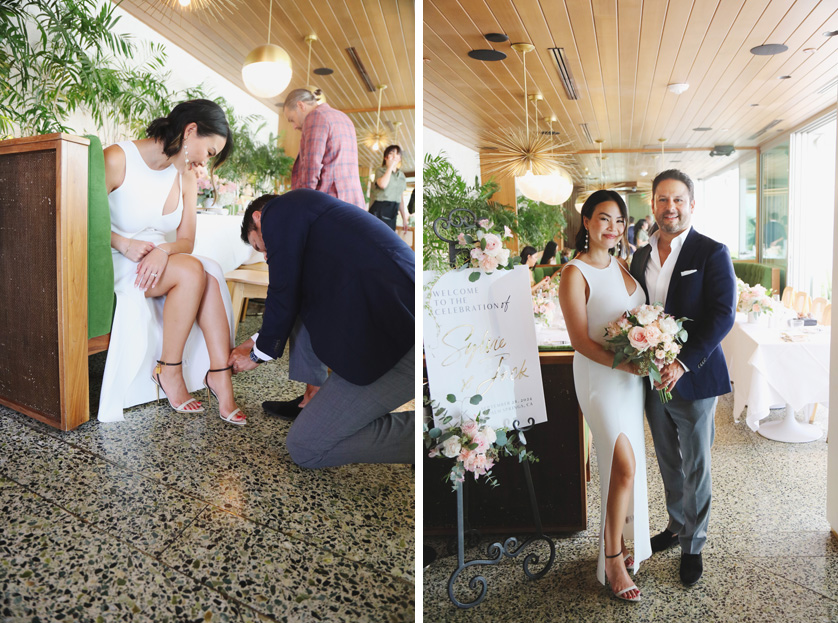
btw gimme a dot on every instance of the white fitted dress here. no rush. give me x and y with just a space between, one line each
612 403
136 209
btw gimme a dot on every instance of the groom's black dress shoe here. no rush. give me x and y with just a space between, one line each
284 410
691 568
664 540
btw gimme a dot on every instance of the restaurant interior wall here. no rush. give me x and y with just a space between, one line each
832 448
464 159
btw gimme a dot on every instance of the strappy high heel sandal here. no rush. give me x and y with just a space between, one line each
619 594
156 378
229 418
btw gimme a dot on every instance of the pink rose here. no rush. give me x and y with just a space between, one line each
482 443
660 354
470 428
493 243
484 223
637 339
653 335
464 455
488 263
756 308
461 238
476 253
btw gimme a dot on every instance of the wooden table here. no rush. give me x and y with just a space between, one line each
559 478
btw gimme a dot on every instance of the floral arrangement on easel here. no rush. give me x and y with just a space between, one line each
488 252
474 445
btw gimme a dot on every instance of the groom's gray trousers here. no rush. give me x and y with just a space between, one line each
683 432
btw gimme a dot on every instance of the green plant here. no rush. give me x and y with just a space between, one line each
444 190
59 56
539 223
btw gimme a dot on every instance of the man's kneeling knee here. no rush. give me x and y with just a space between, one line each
303 451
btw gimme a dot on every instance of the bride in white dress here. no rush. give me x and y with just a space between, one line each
172 328
595 289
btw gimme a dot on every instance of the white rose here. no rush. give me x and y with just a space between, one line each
503 257
489 433
668 325
646 315
451 447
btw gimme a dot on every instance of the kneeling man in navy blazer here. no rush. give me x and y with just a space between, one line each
349 279
692 276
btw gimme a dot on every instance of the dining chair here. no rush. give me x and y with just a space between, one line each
802 303
826 317
818 305
788 297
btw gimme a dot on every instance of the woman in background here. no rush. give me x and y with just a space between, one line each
387 193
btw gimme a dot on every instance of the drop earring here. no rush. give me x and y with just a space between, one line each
186 151
586 241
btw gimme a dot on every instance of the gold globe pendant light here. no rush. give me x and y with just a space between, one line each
377 139
267 69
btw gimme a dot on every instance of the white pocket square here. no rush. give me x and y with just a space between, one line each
684 273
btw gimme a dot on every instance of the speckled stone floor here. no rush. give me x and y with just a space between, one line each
170 517
769 557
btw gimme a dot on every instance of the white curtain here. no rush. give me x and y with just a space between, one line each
811 201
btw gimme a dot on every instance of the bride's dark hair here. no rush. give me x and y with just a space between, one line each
206 114
600 196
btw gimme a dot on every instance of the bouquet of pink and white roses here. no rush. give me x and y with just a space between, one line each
488 252
543 306
648 337
474 445
753 298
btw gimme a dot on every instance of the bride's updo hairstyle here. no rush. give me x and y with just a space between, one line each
206 114
600 196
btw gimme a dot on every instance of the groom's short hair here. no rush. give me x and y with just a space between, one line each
674 174
255 206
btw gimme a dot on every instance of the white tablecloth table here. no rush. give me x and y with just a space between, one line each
218 237
766 370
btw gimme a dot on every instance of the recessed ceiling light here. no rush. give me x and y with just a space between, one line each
769 49
783 77
487 55
830 33
496 37
644 173
702 129
324 71
678 87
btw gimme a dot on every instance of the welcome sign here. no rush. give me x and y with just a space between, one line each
480 339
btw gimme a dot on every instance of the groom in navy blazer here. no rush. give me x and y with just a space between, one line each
692 276
349 279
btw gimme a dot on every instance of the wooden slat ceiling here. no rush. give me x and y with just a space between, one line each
622 55
382 32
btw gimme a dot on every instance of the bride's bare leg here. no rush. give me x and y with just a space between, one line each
183 283
212 318
619 493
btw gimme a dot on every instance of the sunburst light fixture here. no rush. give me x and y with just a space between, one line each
378 138
531 158
216 8
267 69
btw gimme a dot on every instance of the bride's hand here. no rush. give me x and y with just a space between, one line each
631 368
150 269
137 249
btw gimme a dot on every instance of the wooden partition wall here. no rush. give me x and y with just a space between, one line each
43 278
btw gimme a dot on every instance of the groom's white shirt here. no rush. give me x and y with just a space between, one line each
657 276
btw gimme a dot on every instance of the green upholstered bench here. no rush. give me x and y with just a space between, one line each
758 274
100 295
540 271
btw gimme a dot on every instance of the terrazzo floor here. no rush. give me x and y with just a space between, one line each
172 517
770 555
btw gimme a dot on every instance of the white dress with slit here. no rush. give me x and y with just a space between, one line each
612 403
136 209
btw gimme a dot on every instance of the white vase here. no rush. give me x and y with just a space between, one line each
753 317
209 203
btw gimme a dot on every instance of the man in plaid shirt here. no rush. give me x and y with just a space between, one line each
328 158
